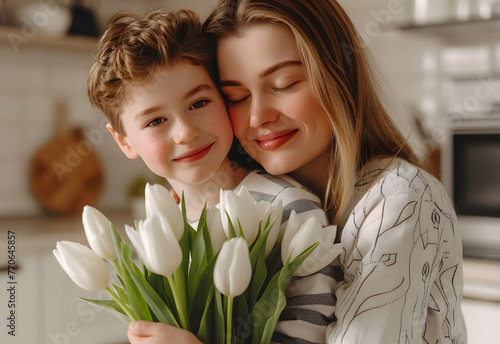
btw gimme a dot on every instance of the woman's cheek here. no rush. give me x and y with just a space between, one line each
238 122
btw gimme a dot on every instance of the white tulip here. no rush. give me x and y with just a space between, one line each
233 270
299 236
275 209
217 234
239 206
160 202
98 232
156 245
82 265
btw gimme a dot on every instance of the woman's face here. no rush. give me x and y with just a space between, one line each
270 104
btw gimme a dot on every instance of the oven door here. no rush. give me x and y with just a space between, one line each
473 181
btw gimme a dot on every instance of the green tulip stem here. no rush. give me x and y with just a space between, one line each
124 307
229 319
116 266
177 284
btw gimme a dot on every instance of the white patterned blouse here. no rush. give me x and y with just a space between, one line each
402 262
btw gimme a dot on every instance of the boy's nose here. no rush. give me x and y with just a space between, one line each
185 132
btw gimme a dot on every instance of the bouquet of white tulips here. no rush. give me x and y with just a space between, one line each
233 269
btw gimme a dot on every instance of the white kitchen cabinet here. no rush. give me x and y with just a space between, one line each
27 319
483 321
481 302
47 307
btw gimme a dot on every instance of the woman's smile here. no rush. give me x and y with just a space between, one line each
275 140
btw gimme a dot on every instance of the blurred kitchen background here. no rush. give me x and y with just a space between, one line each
440 60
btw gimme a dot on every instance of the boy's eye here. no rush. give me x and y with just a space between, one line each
199 103
155 122
237 102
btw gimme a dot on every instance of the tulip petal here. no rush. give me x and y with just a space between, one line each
240 211
240 269
221 267
292 227
276 214
83 266
98 233
233 270
308 234
159 201
217 234
157 248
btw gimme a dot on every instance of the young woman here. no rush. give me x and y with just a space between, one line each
302 101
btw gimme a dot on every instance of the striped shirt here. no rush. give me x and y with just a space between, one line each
310 299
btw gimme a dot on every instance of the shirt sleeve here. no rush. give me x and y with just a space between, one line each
396 262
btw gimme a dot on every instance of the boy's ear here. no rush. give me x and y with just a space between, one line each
122 142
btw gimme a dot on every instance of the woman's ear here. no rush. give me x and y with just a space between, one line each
122 142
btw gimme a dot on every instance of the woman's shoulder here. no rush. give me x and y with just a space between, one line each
396 177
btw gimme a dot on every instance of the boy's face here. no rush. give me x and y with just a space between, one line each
177 123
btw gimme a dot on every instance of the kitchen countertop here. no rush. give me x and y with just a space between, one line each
481 279
39 233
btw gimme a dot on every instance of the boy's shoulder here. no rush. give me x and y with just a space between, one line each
294 196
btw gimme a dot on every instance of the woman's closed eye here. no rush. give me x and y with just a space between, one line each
286 88
235 102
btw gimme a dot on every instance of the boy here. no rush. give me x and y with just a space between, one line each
153 80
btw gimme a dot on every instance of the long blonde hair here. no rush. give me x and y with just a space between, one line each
337 70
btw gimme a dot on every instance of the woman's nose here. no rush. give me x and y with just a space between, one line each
185 131
262 113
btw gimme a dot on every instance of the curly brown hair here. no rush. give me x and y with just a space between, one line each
134 47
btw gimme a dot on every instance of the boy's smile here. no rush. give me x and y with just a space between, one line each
195 154
177 123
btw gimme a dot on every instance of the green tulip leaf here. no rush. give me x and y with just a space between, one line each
273 263
242 234
231 232
259 269
122 295
110 306
209 251
206 327
162 287
267 310
219 318
137 301
202 296
155 302
198 261
240 316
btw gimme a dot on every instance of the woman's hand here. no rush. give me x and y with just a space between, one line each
145 332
